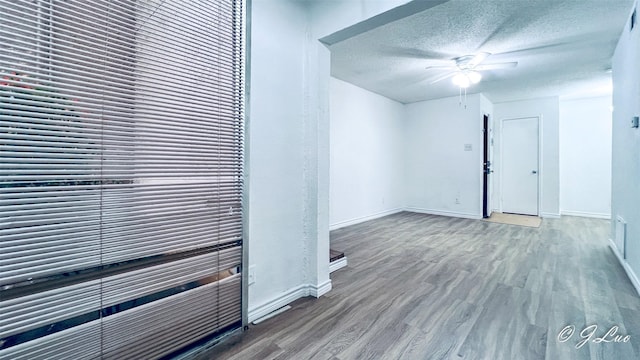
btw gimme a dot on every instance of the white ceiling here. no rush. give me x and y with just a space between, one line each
563 47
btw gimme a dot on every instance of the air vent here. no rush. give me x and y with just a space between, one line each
633 20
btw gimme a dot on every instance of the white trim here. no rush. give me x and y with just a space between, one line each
501 165
481 158
288 297
271 314
341 224
550 215
586 214
541 164
444 213
338 264
630 273
319 290
278 302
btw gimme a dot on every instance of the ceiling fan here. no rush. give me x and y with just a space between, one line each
467 68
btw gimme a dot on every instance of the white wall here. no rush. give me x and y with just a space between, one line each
625 201
366 155
440 176
585 157
287 140
548 111
275 150
330 16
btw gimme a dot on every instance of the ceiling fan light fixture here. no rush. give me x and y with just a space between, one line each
462 80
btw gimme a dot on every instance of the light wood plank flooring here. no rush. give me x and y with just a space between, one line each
430 287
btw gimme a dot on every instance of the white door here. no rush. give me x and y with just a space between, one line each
520 166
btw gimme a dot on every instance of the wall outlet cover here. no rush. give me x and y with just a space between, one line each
252 274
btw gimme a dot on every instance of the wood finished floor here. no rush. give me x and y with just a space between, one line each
430 287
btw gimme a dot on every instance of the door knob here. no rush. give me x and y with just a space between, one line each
534 171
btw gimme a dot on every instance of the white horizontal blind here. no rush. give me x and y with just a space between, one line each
120 175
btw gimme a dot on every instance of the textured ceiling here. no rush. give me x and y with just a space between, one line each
563 47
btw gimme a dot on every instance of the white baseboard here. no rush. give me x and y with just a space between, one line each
278 302
338 264
288 297
586 214
630 273
549 215
444 213
361 219
319 290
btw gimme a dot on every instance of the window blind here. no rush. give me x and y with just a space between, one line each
121 139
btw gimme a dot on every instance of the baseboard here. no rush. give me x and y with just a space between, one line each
586 214
338 264
287 298
630 273
319 290
549 215
278 302
444 213
361 219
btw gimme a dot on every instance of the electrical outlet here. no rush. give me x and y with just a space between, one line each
252 274
458 201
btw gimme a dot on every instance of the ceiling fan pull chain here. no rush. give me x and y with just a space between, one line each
465 98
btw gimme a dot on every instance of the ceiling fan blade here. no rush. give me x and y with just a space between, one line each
443 67
547 48
443 77
477 59
496 66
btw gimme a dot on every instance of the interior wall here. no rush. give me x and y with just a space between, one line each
287 146
548 109
366 161
275 151
443 151
625 199
331 16
585 157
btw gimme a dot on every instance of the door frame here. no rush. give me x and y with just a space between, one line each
488 147
540 162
